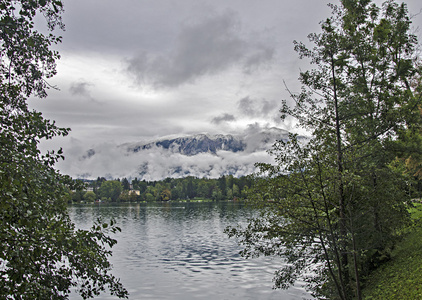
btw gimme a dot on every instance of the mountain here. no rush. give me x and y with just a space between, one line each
196 144
201 155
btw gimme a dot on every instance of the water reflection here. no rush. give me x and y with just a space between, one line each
179 251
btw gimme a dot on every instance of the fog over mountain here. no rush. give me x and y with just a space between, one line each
201 155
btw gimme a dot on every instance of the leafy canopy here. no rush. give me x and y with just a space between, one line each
333 205
42 254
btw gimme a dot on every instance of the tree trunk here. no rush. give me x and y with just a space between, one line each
344 264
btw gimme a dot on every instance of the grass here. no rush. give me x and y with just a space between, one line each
400 278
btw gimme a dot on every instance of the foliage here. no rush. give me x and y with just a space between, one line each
165 195
42 254
125 184
149 197
110 189
409 147
333 205
400 278
90 196
175 189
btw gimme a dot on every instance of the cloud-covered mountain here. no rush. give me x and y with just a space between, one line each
197 155
192 145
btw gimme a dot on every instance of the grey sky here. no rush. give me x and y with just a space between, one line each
140 69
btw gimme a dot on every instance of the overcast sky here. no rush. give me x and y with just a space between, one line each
139 69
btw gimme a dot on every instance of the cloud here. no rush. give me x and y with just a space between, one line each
261 57
158 163
214 52
257 108
246 106
223 118
81 88
114 160
205 48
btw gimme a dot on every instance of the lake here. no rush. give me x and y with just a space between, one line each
179 251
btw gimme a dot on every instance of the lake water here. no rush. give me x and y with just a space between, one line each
179 251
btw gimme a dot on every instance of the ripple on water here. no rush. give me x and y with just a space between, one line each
182 253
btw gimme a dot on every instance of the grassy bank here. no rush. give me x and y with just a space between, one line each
400 278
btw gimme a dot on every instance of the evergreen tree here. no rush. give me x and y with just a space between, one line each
125 184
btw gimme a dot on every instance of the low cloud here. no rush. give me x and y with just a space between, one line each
250 107
81 88
223 118
200 49
117 161
158 163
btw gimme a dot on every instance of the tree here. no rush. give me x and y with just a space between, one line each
216 194
42 254
110 189
409 144
97 183
165 195
189 187
236 192
222 185
90 196
203 188
409 152
125 184
149 197
332 206
229 194
77 195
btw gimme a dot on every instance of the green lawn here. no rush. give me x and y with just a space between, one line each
400 278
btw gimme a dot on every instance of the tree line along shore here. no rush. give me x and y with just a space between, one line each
188 188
